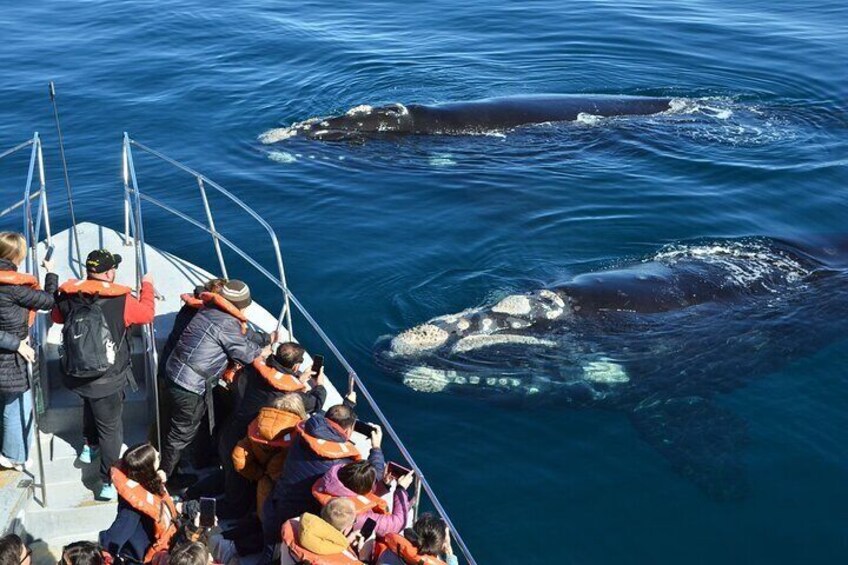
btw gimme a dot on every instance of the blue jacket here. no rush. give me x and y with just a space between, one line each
292 494
130 535
206 346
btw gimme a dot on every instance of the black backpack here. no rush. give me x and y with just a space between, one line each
90 349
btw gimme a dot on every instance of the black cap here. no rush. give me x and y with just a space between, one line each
100 261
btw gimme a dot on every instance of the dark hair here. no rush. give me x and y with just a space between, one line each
140 466
358 476
190 553
82 553
342 414
428 534
212 285
289 354
11 548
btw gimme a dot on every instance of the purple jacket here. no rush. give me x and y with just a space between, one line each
393 523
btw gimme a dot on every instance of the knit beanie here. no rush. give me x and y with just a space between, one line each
237 293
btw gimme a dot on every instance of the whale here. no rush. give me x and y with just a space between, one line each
490 115
660 338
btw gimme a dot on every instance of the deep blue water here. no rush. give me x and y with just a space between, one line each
384 235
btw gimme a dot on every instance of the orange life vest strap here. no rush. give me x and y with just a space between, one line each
404 549
210 299
21 279
362 503
327 448
290 533
91 286
191 300
284 382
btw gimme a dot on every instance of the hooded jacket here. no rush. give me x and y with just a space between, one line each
310 539
261 455
16 302
386 523
292 494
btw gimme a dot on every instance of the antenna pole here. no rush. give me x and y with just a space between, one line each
65 169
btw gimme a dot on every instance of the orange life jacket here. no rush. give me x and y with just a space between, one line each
290 532
362 502
212 300
408 553
281 439
326 448
15 278
95 287
152 506
191 300
284 382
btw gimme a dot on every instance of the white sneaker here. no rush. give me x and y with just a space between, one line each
5 463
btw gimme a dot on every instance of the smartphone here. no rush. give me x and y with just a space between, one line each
207 512
368 528
396 471
363 428
49 253
317 365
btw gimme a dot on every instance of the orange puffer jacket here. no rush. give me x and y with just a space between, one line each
261 455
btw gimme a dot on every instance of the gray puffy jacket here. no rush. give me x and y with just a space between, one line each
208 344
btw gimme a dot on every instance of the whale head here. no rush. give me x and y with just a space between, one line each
359 122
511 346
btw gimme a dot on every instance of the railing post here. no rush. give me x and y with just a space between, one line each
126 175
45 213
151 355
212 228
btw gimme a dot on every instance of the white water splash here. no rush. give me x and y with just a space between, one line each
442 160
282 157
277 134
588 119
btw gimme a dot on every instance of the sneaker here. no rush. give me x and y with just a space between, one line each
108 492
89 453
6 463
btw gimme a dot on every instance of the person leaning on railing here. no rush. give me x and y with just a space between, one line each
20 298
97 365
422 544
217 335
322 442
264 382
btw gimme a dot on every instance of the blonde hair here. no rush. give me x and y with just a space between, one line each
291 402
339 513
12 246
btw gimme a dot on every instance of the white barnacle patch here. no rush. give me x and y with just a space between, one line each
463 325
514 305
277 134
360 110
605 372
553 297
426 379
553 314
418 340
473 342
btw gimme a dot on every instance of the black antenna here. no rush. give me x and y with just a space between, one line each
65 169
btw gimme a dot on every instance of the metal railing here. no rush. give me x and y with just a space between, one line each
32 230
133 223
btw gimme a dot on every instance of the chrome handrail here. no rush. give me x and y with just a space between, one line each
133 199
31 231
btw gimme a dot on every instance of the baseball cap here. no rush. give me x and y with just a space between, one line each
101 260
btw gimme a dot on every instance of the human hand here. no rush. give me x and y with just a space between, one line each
447 547
376 436
275 336
162 476
147 278
351 396
25 351
320 378
48 265
405 481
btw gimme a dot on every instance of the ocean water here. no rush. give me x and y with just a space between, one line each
383 235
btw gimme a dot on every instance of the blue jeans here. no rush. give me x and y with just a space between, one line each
17 425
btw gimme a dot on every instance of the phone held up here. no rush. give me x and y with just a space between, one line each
368 528
207 512
317 365
363 428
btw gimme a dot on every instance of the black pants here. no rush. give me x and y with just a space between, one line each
103 425
186 410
